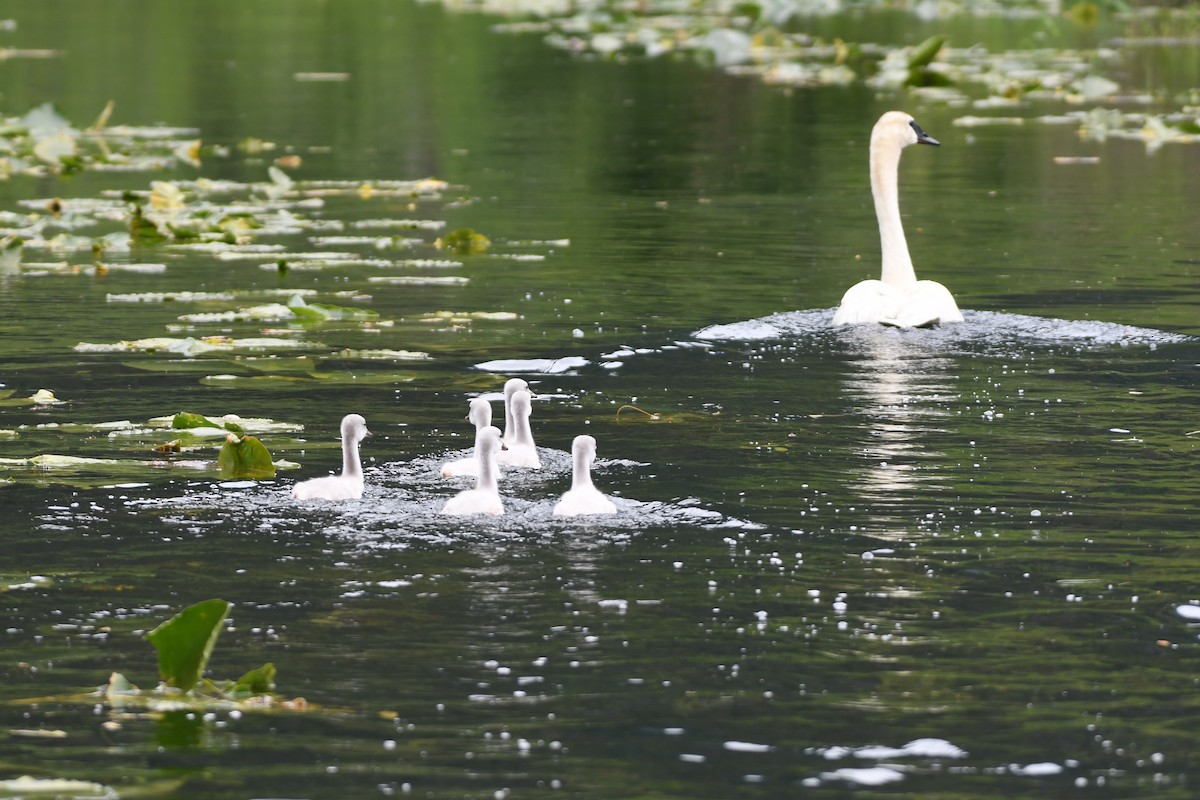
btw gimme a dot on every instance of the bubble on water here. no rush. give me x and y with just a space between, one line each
864 776
747 747
1189 612
1039 769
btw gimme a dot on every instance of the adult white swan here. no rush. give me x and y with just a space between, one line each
480 415
348 485
521 452
583 497
897 298
485 497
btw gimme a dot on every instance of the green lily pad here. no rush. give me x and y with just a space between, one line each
246 457
256 681
186 419
185 642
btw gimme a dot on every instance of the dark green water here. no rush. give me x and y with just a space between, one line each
841 542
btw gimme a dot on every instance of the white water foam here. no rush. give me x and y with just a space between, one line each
978 330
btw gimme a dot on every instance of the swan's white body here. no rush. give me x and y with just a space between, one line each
480 416
521 452
510 386
485 497
348 485
897 298
583 497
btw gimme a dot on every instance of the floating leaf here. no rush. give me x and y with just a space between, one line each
55 148
119 686
919 73
190 346
925 52
256 681
280 183
143 230
246 457
322 311
464 242
29 786
166 196
185 642
186 419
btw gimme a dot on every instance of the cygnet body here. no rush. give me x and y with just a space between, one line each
348 485
485 497
583 497
521 452
897 298
480 415
511 386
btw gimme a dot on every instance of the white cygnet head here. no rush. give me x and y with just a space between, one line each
480 414
354 428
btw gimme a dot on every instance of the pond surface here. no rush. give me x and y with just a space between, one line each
950 562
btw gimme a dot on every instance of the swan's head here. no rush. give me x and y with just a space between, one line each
899 130
480 414
584 446
522 404
354 428
487 441
514 385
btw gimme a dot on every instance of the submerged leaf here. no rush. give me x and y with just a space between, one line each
185 642
246 457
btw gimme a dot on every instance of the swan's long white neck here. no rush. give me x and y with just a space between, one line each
351 466
522 432
488 471
885 165
581 474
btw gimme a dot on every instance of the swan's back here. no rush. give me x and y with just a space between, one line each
331 487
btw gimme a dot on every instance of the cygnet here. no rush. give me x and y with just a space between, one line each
480 416
485 497
348 485
521 450
583 497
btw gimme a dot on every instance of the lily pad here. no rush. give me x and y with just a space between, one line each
186 419
245 457
185 642
322 311
29 786
189 346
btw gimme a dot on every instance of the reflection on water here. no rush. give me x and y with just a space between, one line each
903 386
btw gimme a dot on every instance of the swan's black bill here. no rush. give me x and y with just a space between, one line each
922 136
